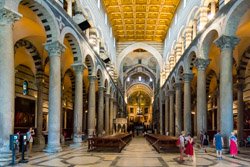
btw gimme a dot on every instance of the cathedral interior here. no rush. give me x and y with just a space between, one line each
77 71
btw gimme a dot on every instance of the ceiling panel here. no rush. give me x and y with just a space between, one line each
139 20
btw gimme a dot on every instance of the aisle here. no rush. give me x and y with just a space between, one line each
139 153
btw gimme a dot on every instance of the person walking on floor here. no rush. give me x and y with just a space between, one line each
218 143
205 141
182 144
189 150
233 145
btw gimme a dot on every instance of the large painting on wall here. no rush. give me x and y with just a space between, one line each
24 113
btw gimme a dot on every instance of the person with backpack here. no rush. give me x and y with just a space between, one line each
181 144
205 141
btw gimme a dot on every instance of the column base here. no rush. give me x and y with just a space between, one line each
52 149
5 158
62 139
75 145
40 142
77 142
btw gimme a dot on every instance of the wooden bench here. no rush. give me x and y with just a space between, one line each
163 143
109 143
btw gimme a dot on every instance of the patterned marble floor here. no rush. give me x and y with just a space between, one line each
137 154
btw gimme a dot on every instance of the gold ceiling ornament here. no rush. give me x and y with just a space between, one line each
140 20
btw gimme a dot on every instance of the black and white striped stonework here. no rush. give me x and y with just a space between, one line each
46 19
33 52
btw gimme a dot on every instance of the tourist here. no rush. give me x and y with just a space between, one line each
233 145
189 150
218 143
30 139
201 138
182 144
205 141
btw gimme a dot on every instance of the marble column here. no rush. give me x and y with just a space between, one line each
39 82
161 113
115 109
188 36
100 117
171 113
240 124
91 107
107 96
69 8
226 44
187 102
55 50
218 109
78 103
194 29
178 109
178 50
7 81
201 65
167 113
203 16
111 115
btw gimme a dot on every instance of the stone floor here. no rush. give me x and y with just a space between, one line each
138 153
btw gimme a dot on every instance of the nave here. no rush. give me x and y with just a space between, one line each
137 153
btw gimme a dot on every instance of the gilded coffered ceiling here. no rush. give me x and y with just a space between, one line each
140 20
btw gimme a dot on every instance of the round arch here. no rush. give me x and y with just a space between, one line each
74 42
48 19
234 15
137 45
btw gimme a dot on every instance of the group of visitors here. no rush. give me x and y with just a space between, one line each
29 140
186 144
219 143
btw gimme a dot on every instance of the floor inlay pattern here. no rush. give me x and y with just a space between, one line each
138 153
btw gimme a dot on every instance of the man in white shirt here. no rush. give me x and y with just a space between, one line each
182 145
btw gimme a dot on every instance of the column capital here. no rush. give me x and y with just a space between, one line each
55 48
225 41
188 77
8 16
201 64
78 67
